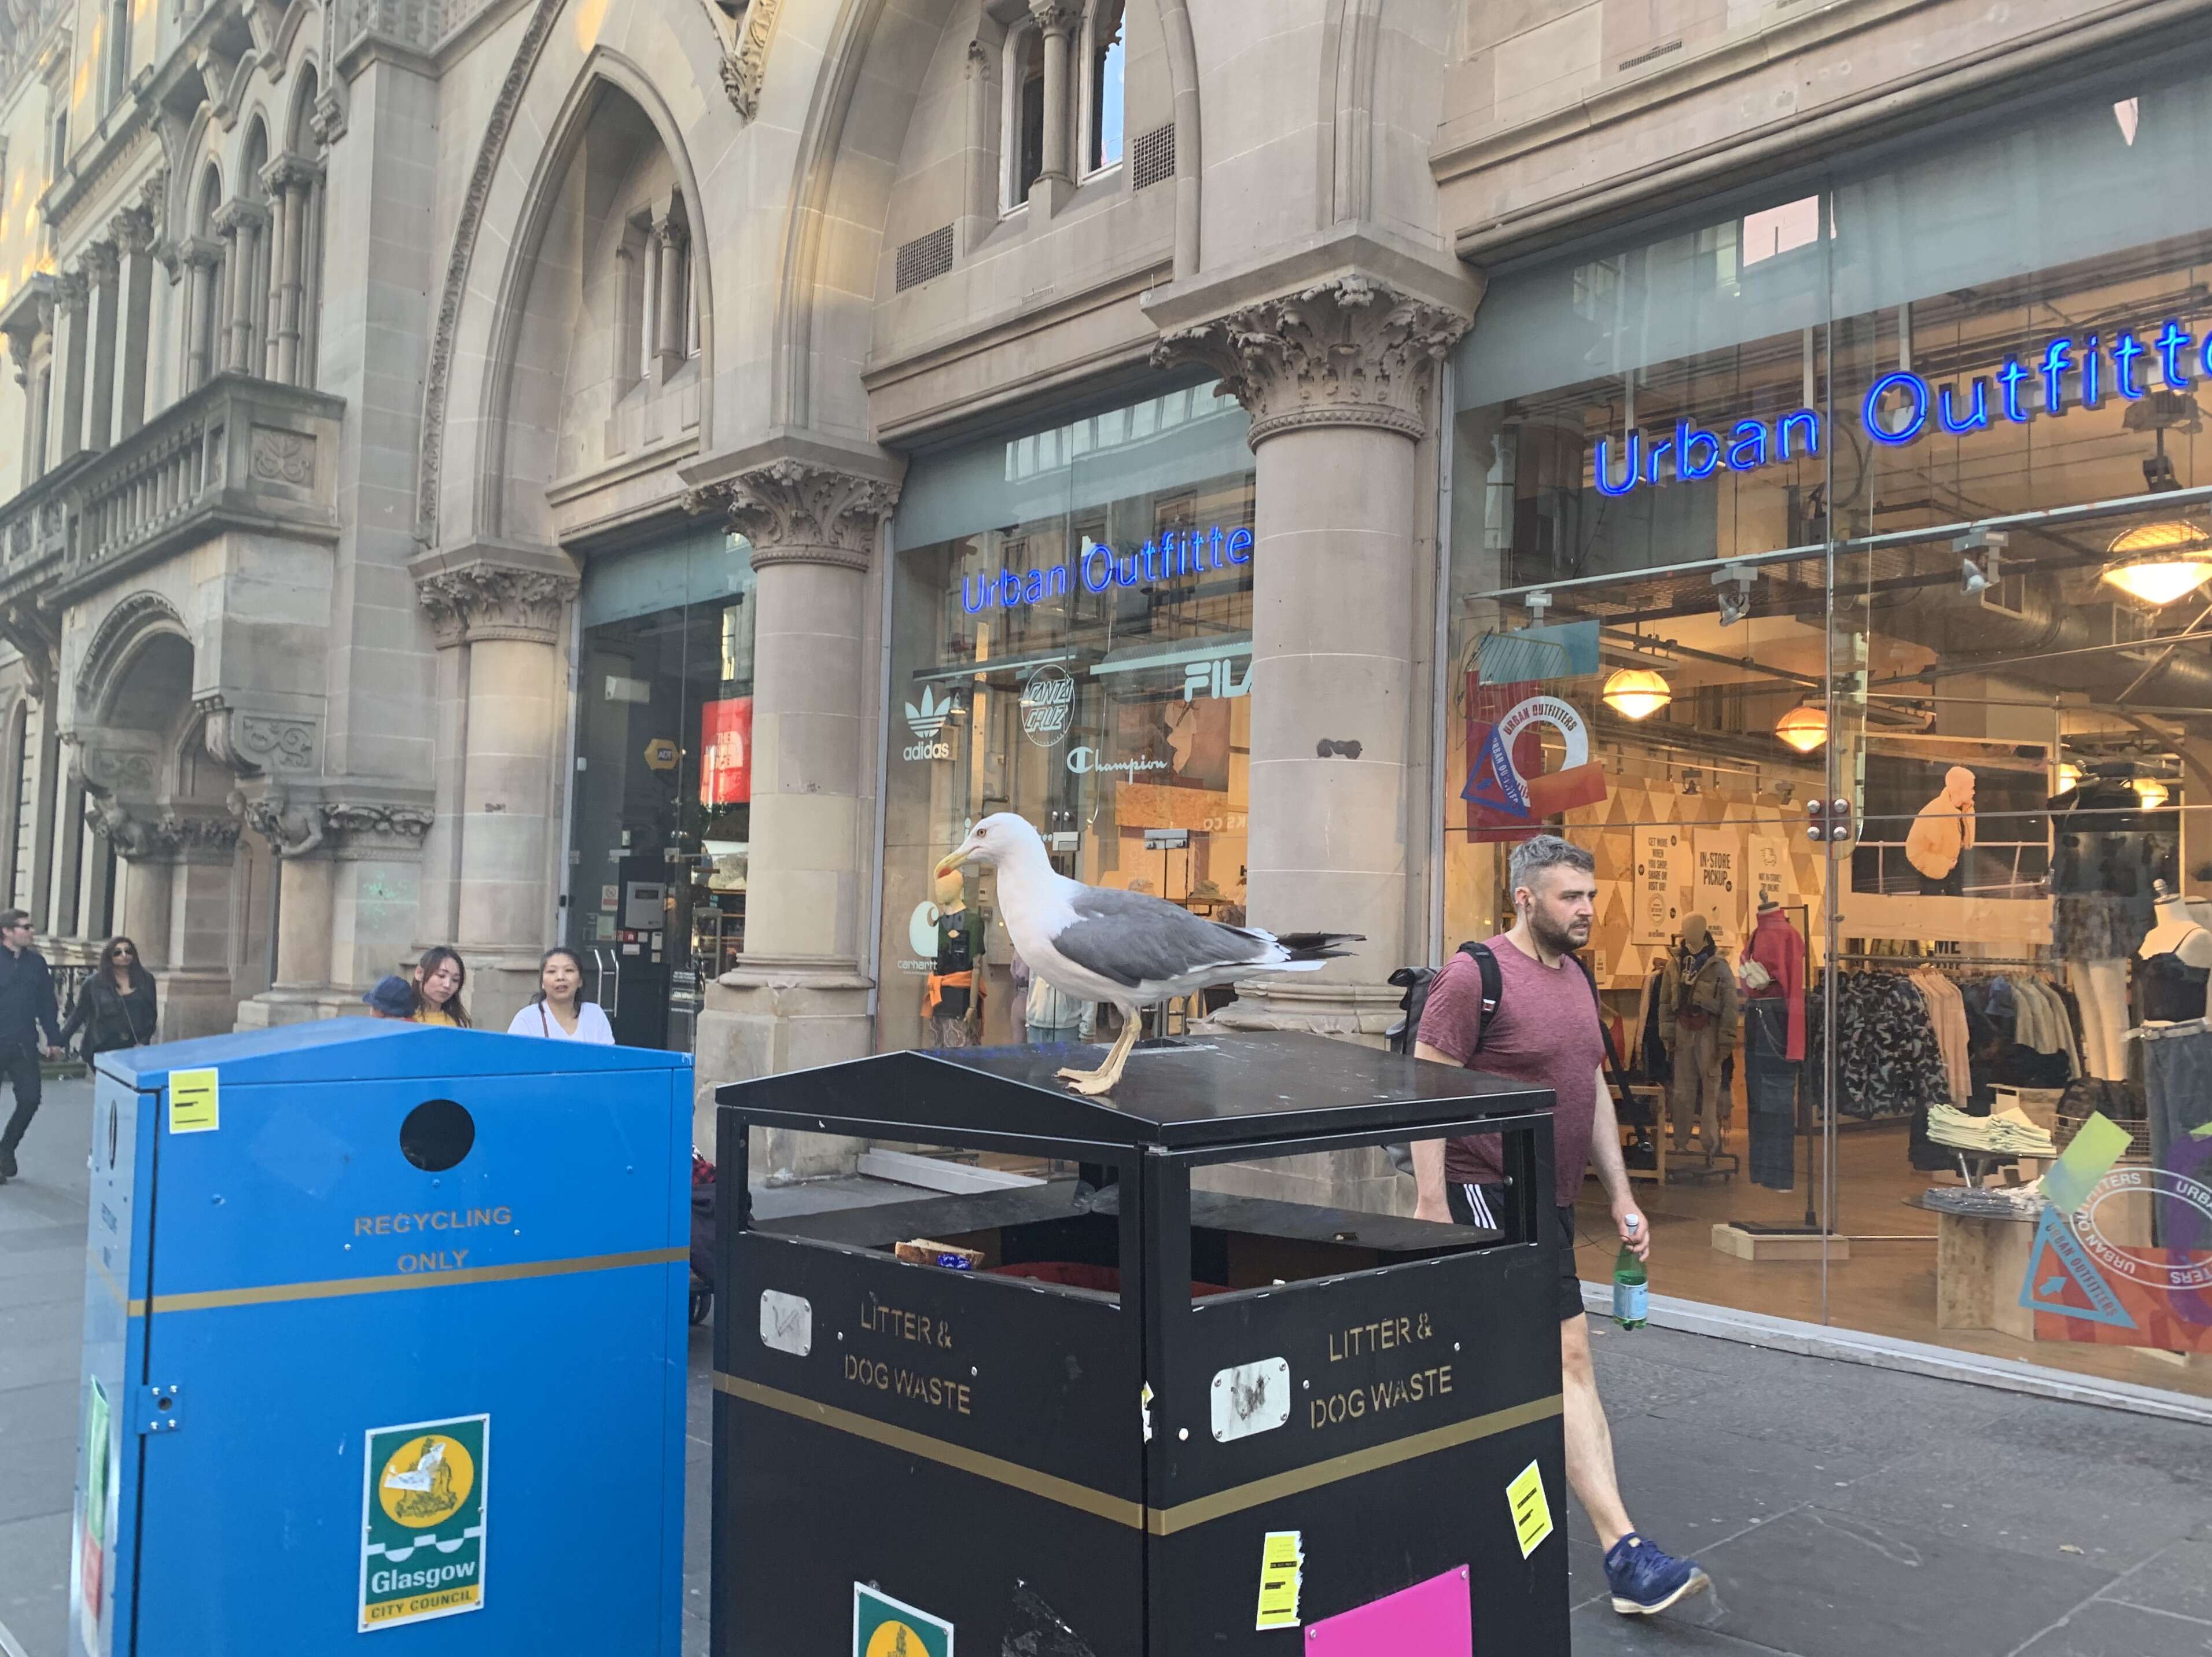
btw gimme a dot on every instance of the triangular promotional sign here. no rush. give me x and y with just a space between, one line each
1491 781
2063 1280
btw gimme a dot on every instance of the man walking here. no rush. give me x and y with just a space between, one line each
26 1007
1544 1029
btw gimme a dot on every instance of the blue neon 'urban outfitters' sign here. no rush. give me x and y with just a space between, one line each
1900 407
1174 554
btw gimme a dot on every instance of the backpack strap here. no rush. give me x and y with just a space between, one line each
1604 1033
1494 988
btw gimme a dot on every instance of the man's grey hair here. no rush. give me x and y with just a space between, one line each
1532 857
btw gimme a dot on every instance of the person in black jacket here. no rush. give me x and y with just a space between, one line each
115 1008
26 1008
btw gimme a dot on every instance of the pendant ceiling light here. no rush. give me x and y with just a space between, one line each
2151 792
2157 563
1637 693
1804 727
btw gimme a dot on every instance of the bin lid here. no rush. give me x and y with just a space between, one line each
375 1050
1209 1090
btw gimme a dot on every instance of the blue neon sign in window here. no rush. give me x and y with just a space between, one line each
1173 554
1902 407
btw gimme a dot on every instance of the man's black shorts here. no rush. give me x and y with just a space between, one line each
1477 1204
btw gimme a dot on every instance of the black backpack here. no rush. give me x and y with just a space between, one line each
1417 982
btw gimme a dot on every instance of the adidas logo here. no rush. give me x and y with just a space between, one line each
927 719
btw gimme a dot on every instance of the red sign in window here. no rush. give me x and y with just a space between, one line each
725 751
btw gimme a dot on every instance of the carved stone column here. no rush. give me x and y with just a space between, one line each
668 342
177 896
65 416
101 268
133 230
499 615
800 996
203 260
1058 20
290 180
241 223
1337 375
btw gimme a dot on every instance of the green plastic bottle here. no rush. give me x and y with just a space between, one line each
1631 1290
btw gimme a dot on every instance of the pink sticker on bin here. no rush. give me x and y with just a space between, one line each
1430 1619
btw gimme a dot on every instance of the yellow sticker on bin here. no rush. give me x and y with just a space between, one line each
2097 1146
1281 1565
195 1102
1532 1509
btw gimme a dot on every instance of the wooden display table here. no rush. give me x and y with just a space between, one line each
1981 1261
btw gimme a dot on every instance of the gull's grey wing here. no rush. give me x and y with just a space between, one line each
1133 937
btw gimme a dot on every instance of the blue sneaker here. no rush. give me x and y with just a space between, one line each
1645 1578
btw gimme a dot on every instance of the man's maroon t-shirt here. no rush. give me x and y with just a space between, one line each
1545 1032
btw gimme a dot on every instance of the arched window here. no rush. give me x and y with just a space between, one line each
1105 51
1022 144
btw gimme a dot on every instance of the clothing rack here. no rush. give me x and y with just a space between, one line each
1946 961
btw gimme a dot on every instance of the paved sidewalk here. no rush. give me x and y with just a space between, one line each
1842 1511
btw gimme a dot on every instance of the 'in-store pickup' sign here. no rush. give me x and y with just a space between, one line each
1901 406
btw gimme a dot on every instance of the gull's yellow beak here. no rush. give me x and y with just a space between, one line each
951 861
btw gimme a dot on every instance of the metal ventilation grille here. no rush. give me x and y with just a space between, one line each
1151 158
925 256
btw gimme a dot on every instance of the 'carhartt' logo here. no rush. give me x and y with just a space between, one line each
927 718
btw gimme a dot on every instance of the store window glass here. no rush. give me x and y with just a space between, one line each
1071 632
659 826
1836 566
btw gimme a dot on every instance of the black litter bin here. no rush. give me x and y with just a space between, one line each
1115 1416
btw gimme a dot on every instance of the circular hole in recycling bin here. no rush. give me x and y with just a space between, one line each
437 1134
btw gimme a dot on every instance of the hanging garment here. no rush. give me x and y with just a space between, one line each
1770 1079
1888 1062
2169 990
1776 944
2178 1074
1947 1010
1651 1045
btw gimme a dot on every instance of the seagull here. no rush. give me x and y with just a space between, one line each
1099 943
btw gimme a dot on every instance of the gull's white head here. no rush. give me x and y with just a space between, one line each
996 839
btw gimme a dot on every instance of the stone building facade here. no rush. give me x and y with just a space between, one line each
352 343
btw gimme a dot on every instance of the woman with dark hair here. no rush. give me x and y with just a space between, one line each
115 1008
438 979
560 1009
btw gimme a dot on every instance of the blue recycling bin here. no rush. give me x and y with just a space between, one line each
385 1334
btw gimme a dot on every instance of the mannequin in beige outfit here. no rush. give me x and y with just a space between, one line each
1936 844
1700 1021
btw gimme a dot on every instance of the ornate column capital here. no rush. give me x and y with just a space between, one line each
1350 351
1057 16
72 293
132 229
475 597
287 170
100 263
238 214
796 511
194 834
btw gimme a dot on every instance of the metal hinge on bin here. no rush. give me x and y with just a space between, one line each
162 1410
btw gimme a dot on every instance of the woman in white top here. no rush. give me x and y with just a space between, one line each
559 1010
